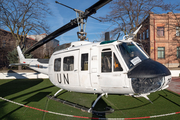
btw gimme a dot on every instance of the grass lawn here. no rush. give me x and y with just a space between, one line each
33 93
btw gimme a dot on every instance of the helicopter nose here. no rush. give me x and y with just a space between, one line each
149 76
148 69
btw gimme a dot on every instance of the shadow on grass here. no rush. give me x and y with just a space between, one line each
101 105
35 98
159 96
12 73
61 93
169 100
17 75
16 86
99 111
139 105
172 93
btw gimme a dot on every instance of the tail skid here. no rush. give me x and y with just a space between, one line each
31 63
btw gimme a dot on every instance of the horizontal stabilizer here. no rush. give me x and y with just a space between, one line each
18 64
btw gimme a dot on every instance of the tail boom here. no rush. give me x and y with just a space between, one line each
32 63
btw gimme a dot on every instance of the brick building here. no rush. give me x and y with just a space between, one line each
160 36
8 43
48 48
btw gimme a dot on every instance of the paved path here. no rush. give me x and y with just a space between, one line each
175 85
22 74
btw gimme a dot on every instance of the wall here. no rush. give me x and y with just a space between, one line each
170 41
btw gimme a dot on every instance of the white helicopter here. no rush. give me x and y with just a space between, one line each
108 67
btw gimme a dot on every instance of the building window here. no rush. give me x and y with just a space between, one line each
178 31
161 52
68 63
160 31
140 36
178 52
57 64
84 62
4 43
147 33
144 37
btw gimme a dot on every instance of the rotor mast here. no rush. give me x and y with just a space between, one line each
71 25
82 25
81 22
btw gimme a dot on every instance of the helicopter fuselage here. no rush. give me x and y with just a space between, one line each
106 67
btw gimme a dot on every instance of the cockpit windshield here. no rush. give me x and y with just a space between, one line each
131 53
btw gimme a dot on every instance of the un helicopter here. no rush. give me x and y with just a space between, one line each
108 67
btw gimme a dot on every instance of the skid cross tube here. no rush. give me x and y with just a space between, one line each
96 102
58 92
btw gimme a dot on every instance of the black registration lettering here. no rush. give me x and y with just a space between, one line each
66 79
59 78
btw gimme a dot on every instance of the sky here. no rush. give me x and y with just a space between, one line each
63 15
94 28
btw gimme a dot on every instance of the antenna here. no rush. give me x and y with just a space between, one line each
132 35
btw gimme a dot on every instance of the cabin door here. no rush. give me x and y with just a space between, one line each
84 71
94 68
111 73
69 74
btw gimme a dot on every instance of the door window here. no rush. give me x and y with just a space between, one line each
68 63
106 62
117 66
84 62
57 64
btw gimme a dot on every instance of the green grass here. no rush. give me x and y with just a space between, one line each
33 93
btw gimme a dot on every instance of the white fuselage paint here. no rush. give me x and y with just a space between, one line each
91 80
80 68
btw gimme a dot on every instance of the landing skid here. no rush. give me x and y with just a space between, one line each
82 108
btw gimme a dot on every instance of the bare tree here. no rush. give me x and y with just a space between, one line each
128 14
23 17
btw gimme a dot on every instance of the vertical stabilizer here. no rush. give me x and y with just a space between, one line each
21 56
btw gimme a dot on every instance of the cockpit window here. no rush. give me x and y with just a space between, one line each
106 61
131 53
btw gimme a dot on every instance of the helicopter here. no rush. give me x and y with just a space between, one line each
108 67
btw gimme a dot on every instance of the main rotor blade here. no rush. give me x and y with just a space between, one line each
91 10
72 24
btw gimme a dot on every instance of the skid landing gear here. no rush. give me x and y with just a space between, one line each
82 108
99 113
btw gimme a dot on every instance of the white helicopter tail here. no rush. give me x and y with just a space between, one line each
21 56
35 64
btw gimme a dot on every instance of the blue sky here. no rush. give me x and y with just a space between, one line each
62 15
94 28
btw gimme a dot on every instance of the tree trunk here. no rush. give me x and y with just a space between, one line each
19 67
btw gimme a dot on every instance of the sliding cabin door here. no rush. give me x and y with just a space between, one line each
66 68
